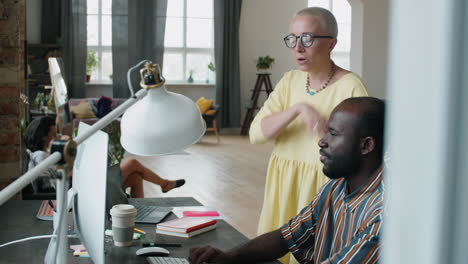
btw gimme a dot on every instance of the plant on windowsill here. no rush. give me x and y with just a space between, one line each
264 63
211 68
92 62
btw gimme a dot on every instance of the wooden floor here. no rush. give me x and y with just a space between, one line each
229 176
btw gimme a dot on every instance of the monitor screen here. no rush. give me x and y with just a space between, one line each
60 93
89 184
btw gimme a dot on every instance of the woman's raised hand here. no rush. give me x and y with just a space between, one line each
314 122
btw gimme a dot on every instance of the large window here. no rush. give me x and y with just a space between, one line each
189 44
100 38
189 40
342 11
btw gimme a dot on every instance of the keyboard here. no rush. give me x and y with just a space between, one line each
143 211
151 214
166 260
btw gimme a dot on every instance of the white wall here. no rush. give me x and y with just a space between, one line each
33 21
264 23
375 46
192 91
369 43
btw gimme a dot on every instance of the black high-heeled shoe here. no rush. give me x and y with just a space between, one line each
178 184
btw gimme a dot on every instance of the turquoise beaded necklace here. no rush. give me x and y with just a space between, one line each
332 73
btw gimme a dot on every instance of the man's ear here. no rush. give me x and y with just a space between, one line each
367 145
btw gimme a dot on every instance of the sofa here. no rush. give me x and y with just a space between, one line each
86 114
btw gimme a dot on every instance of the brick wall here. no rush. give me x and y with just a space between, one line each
12 84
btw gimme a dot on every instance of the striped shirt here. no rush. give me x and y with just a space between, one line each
338 227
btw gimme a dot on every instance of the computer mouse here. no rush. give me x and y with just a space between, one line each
152 251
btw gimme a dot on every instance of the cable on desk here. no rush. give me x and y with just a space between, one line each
32 238
26 239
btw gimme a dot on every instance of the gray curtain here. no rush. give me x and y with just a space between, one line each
138 29
74 45
50 19
226 20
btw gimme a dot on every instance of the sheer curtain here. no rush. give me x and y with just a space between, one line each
138 29
73 22
227 20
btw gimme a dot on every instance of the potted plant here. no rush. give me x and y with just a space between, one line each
264 63
92 62
211 68
40 101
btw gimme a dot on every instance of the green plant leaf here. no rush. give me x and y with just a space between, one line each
92 61
211 67
116 151
264 62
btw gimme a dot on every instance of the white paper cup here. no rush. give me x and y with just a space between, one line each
123 223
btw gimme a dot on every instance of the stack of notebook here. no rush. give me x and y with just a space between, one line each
186 226
46 210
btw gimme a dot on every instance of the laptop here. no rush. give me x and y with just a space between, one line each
116 195
148 214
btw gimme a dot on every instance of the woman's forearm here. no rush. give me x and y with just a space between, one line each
273 124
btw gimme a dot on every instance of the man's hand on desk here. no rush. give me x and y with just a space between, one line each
269 246
208 255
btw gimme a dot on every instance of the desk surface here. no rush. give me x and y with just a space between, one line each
18 221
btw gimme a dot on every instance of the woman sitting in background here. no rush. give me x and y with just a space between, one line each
39 136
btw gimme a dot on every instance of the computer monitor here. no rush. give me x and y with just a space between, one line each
89 191
60 93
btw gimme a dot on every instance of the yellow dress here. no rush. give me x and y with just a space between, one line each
294 173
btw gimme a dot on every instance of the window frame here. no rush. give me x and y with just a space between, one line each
343 55
99 48
184 50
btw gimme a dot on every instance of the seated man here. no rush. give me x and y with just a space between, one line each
343 222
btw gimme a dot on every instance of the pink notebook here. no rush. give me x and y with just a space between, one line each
45 211
200 213
185 224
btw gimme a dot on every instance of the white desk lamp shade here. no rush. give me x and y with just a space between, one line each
161 123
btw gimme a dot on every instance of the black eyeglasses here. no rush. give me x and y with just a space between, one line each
307 39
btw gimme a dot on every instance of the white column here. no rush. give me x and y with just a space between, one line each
427 128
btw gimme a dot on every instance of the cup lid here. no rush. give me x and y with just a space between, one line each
123 209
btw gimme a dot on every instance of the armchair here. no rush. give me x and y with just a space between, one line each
76 119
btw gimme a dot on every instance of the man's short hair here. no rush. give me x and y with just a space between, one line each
327 19
371 121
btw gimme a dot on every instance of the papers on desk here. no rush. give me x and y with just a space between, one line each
79 251
192 211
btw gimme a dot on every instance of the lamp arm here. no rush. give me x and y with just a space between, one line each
129 81
29 176
107 119
55 157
